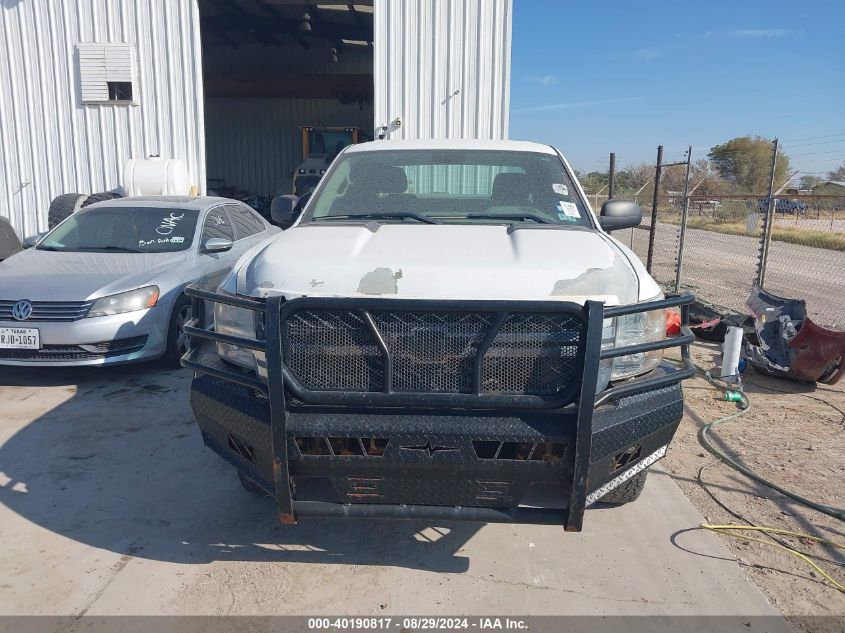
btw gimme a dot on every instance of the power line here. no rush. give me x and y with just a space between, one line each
813 138
833 151
818 160
820 143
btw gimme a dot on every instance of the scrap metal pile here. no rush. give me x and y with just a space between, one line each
780 339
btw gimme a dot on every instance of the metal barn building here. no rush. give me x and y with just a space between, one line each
227 85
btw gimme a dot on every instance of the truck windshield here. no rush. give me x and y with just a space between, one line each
450 186
122 229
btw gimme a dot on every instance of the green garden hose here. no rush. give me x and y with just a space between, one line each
740 396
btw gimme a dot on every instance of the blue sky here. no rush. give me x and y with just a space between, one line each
596 77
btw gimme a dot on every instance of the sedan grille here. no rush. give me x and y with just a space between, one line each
106 349
433 351
48 310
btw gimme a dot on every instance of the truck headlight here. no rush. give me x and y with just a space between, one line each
237 322
642 327
608 335
139 299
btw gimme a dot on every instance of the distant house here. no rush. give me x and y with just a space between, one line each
829 188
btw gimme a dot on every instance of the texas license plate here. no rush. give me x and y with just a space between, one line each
20 338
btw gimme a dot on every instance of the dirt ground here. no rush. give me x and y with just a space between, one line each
794 435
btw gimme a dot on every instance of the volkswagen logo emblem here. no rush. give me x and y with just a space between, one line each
22 310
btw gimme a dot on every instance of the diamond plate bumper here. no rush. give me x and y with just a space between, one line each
472 456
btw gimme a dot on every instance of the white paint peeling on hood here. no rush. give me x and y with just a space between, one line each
449 261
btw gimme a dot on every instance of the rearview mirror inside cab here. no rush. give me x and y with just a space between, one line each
620 214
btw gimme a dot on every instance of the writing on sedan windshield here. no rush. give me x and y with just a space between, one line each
169 223
161 240
127 229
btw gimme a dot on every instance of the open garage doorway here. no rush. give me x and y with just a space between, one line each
284 79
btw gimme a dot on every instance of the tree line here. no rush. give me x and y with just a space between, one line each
742 165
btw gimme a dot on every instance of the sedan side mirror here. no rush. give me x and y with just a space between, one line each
620 214
216 245
32 240
283 210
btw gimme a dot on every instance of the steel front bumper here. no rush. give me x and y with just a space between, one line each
527 460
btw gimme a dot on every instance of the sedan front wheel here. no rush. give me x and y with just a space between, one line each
177 341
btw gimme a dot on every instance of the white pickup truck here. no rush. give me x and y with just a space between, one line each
447 331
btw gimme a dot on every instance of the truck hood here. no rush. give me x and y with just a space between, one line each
53 276
441 262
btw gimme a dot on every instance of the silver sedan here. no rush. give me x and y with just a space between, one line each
106 285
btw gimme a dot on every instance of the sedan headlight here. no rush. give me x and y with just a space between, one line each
237 322
139 299
631 329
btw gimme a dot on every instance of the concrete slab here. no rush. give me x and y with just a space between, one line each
111 505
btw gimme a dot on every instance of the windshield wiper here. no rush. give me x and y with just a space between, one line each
49 248
401 215
119 249
508 216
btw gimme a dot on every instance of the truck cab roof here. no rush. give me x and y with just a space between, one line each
447 144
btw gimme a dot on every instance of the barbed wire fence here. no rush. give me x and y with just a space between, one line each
719 246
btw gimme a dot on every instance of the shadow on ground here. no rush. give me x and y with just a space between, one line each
120 465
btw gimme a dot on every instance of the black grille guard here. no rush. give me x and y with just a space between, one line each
581 392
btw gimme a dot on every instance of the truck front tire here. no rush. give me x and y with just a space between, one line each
628 491
250 485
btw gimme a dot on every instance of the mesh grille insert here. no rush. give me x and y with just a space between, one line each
333 350
432 351
532 353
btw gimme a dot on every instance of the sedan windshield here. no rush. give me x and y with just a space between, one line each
124 230
450 186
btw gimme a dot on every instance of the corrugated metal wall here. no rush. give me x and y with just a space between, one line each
50 142
443 67
254 144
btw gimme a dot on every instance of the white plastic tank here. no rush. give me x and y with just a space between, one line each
156 176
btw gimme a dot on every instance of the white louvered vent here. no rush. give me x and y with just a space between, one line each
107 72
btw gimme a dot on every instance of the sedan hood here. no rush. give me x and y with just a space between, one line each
53 276
442 262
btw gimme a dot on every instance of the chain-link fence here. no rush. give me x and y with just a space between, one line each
806 255
719 243
723 251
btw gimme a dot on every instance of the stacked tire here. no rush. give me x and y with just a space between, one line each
65 205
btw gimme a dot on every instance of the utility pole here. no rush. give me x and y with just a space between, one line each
611 175
683 230
654 202
769 221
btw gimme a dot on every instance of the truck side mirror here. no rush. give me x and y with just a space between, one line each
620 214
283 210
32 240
